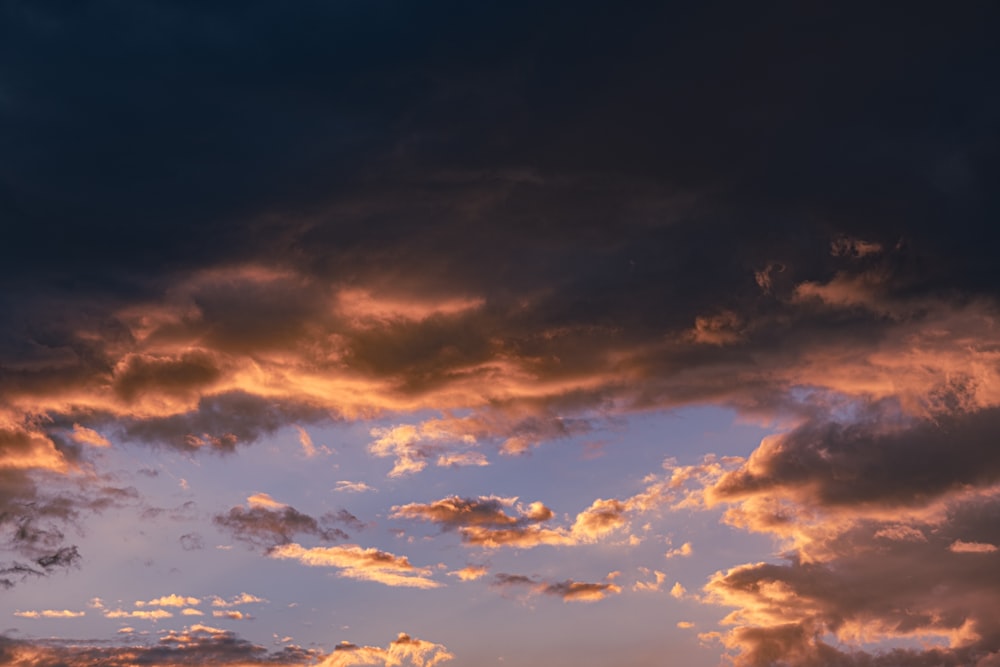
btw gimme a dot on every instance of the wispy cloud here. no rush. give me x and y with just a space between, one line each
355 562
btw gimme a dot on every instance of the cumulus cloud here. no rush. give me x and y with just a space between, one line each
355 562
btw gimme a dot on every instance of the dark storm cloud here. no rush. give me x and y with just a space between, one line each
199 133
219 221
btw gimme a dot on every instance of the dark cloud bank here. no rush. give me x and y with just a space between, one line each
784 209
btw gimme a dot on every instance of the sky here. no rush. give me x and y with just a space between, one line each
406 334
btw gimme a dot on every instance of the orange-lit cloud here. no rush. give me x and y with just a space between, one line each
153 615
650 586
404 650
242 598
470 573
88 436
169 601
50 613
355 562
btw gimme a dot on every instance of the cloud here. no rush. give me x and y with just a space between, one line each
404 650
265 523
88 436
16 572
231 614
484 521
470 573
355 562
308 448
683 550
242 598
650 586
924 589
353 487
169 601
192 542
154 615
273 286
568 590
194 645
961 547
50 613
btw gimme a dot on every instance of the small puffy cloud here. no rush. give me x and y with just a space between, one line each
683 550
50 613
355 562
470 573
685 625
677 590
190 611
231 614
601 518
171 600
650 586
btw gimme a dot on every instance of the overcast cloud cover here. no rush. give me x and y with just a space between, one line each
550 333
